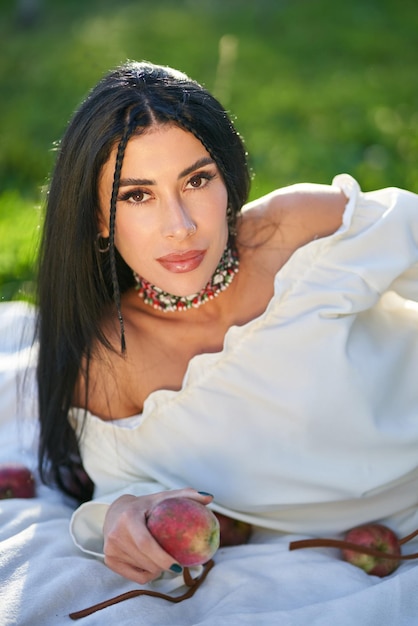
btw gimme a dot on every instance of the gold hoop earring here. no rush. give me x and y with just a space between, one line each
102 244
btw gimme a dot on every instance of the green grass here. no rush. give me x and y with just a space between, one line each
19 223
317 88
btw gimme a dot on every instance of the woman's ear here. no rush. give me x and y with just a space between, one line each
103 228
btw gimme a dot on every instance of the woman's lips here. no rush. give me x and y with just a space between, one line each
179 262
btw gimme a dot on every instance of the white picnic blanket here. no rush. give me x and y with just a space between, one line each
44 577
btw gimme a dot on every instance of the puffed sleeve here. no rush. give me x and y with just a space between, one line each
382 246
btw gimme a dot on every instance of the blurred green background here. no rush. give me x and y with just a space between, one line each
317 87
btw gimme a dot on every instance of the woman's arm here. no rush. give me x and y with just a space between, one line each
286 219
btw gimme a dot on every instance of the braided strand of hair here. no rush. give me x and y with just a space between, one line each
129 127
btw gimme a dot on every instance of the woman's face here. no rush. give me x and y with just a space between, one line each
171 223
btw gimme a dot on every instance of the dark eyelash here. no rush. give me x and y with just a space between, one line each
129 194
205 175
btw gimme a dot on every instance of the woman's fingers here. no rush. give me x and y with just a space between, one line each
186 492
130 549
127 567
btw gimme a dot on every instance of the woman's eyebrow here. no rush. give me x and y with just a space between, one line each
132 182
135 182
199 163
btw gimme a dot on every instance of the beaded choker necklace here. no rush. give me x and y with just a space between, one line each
167 302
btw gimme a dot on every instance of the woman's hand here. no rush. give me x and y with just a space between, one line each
130 549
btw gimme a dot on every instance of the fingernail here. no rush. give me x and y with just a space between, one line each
205 493
176 568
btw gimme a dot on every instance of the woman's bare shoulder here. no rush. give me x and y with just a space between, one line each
301 212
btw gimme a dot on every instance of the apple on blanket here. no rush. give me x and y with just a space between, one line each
16 481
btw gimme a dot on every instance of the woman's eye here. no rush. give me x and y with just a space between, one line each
135 197
199 180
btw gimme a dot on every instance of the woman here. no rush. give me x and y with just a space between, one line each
252 353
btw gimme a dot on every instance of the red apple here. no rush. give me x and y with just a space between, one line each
186 529
379 538
233 531
16 481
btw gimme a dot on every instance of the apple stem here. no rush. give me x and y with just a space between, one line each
189 581
347 545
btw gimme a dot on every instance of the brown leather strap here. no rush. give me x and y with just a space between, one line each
192 583
408 537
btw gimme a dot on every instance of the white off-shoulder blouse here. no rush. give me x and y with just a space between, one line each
307 420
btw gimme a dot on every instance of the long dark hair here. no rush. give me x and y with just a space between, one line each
77 283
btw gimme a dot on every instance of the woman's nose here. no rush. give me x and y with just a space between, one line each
178 223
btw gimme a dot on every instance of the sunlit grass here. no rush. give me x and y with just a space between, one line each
19 228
